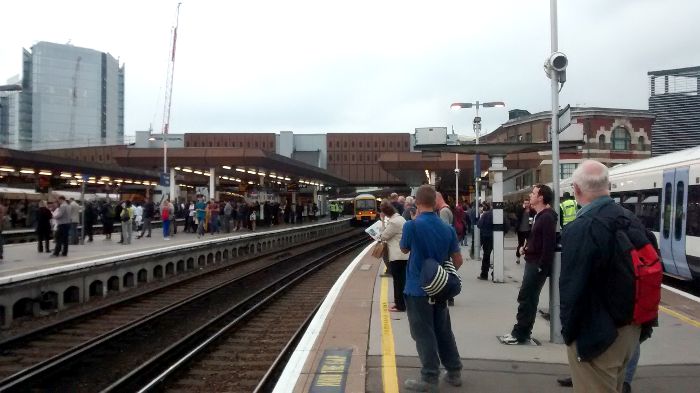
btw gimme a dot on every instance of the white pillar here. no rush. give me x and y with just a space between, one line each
212 183
173 196
433 177
315 195
497 169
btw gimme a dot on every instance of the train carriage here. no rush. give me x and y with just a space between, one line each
664 192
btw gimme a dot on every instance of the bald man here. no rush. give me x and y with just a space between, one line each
598 347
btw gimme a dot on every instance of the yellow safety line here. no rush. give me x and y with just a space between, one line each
389 376
682 317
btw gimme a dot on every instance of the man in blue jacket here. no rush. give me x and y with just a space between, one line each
427 236
598 349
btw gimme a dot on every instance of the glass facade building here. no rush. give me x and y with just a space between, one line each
72 97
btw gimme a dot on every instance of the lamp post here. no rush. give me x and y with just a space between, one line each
477 160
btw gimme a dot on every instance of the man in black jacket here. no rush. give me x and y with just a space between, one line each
598 349
149 210
539 255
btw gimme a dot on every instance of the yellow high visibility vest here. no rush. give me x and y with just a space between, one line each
568 211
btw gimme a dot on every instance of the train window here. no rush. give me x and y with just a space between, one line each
692 221
680 194
667 211
649 209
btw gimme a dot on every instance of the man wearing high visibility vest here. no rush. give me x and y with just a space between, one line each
568 209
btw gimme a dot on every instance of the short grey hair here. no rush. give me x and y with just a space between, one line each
592 177
409 200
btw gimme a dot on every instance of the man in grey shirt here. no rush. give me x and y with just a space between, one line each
74 220
62 215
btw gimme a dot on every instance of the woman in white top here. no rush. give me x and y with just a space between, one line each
391 236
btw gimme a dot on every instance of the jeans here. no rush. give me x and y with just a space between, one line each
146 227
62 239
632 366
528 298
432 331
127 231
200 227
2 245
487 244
73 233
398 272
227 223
166 228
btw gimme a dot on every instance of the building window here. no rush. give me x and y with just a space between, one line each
566 170
621 139
359 144
601 142
640 143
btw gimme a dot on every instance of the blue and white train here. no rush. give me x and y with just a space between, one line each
664 192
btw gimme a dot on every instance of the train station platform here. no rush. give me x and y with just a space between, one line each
356 345
23 261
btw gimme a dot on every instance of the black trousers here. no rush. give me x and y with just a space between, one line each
528 298
43 243
62 240
522 236
487 244
398 272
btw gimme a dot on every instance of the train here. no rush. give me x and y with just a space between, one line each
365 209
664 193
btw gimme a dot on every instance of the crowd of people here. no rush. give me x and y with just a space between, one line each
602 349
61 220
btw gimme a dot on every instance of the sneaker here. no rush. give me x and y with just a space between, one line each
517 261
484 278
454 378
566 382
509 339
626 387
420 386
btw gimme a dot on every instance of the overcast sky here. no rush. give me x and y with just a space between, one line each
360 66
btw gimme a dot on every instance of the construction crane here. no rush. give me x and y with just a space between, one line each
74 100
168 99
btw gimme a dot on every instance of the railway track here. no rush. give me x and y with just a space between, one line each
60 357
245 354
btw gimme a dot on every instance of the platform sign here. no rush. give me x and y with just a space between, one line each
332 372
431 136
164 179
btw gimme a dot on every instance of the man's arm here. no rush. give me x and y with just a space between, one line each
548 241
457 260
405 242
578 253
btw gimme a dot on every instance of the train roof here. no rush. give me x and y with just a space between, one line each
688 156
365 196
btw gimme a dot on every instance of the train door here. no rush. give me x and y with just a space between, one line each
674 197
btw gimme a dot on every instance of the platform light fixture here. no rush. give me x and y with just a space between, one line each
252 172
177 168
27 171
206 174
78 176
44 172
129 181
240 170
287 179
188 170
6 169
226 167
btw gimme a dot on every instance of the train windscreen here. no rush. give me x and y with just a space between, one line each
365 204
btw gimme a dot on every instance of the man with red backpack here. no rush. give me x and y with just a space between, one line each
609 286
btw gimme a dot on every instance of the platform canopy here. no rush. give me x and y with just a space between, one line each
244 163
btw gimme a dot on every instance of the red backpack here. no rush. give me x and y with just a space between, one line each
634 273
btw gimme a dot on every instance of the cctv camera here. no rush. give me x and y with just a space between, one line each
558 61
